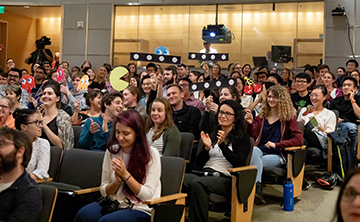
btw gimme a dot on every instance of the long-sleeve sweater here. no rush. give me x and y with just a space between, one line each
98 140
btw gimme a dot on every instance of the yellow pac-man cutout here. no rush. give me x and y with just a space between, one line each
84 83
115 81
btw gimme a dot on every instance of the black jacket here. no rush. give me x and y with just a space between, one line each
188 119
22 201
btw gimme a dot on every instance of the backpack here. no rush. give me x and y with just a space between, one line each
344 157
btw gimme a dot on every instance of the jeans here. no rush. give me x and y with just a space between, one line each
261 161
92 213
351 128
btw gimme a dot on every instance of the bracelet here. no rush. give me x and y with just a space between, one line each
353 101
127 178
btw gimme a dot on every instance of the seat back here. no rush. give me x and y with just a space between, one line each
77 132
186 145
55 159
49 195
248 158
172 174
81 168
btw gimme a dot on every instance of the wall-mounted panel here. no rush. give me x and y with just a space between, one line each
100 16
74 42
74 13
99 42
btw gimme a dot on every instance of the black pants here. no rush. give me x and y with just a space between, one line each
312 140
198 190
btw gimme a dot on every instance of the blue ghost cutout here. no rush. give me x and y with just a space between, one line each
162 50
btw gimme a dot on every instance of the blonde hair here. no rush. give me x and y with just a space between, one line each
285 105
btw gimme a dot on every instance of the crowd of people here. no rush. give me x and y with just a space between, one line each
136 126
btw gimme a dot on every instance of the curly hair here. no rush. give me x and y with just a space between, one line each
168 122
285 106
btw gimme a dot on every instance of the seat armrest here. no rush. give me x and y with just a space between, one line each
165 198
237 169
43 180
85 191
295 148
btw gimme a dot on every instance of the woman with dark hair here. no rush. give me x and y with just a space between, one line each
92 84
310 70
285 78
245 100
329 82
146 87
85 64
161 132
14 93
315 135
131 170
274 129
132 69
340 71
227 146
132 96
57 124
30 122
200 94
356 75
34 67
24 72
93 101
246 70
347 204
205 66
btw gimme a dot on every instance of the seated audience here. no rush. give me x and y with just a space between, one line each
100 76
200 94
14 93
315 135
132 69
349 110
189 99
14 78
311 71
6 118
356 75
21 198
347 209
182 71
193 76
246 70
329 82
92 84
340 71
216 72
96 130
301 98
161 132
3 78
132 96
321 69
186 118
30 122
151 68
93 101
57 124
227 146
39 76
85 65
273 130
246 100
351 65
261 75
131 172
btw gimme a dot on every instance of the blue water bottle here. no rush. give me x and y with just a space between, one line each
288 195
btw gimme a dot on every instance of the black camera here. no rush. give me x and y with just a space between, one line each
109 205
42 42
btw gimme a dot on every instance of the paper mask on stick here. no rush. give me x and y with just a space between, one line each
27 83
115 81
84 83
60 75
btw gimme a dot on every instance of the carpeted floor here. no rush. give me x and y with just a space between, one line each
314 204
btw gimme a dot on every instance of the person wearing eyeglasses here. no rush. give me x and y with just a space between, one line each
348 202
301 98
273 129
6 119
30 122
20 196
226 146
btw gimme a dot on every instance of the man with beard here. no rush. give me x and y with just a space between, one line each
170 74
20 196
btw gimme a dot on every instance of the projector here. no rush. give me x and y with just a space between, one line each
216 34
338 11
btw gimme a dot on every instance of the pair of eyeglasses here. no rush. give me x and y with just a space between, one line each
37 122
227 114
349 195
13 76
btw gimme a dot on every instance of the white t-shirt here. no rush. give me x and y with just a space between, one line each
217 161
4 186
157 144
211 50
325 118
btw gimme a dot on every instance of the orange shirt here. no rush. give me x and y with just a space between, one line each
10 122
